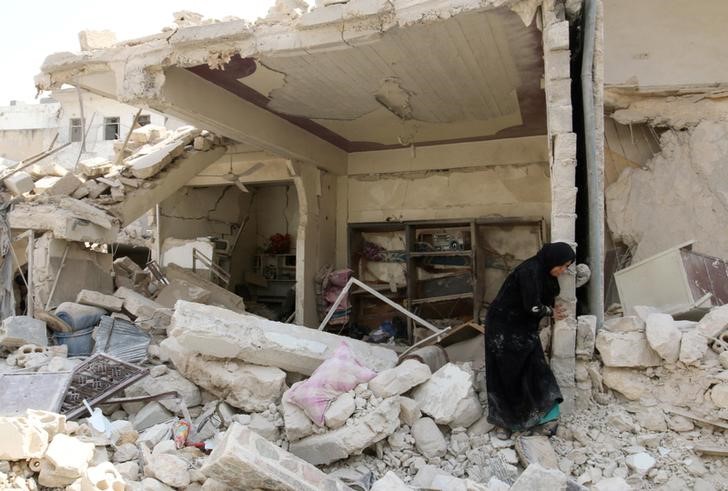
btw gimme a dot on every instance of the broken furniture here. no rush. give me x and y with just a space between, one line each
96 380
677 281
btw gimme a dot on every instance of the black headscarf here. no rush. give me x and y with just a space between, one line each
555 254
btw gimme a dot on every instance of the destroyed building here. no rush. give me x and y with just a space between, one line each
274 272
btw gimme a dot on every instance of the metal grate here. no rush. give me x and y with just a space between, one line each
96 380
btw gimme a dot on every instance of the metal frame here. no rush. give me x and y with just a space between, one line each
364 286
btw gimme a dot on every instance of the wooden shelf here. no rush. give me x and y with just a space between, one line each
444 298
441 253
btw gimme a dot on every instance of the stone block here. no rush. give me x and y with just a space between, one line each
94 167
351 439
719 395
21 439
149 133
556 36
586 332
181 290
297 424
558 93
390 482
563 200
52 423
714 322
64 186
170 469
480 427
151 484
564 369
148 165
663 336
409 411
96 299
563 340
630 383
19 183
129 471
340 410
221 333
173 381
137 304
448 396
19 330
429 440
559 119
693 346
150 415
538 478
244 460
398 380
104 476
626 349
558 66
264 427
612 484
202 144
248 387
630 323
67 458
92 40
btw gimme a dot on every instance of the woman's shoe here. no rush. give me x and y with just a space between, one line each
546 429
502 433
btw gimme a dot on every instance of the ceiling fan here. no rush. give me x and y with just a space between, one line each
234 178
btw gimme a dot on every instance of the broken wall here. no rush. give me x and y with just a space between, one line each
681 194
83 270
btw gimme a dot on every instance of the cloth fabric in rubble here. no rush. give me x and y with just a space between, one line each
79 316
522 390
340 373
331 284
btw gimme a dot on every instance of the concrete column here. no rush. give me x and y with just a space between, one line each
316 235
562 161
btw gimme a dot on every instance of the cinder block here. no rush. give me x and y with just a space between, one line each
556 36
19 183
559 119
557 64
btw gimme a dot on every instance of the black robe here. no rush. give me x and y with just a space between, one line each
521 387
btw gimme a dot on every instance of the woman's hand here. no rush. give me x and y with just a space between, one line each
560 313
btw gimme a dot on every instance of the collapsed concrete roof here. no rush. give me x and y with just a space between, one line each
361 75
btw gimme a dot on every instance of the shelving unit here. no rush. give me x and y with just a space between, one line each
279 272
448 266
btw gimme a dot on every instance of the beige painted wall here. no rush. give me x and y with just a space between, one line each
513 190
665 43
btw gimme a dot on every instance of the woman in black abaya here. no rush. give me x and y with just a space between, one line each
522 390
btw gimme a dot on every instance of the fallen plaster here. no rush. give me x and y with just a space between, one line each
650 213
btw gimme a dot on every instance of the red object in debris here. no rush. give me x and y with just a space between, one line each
279 244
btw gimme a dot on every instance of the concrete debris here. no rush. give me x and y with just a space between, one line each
663 336
693 347
351 439
536 477
220 333
94 167
400 379
96 299
626 348
449 397
181 290
19 183
93 40
242 385
429 440
21 330
390 482
244 460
